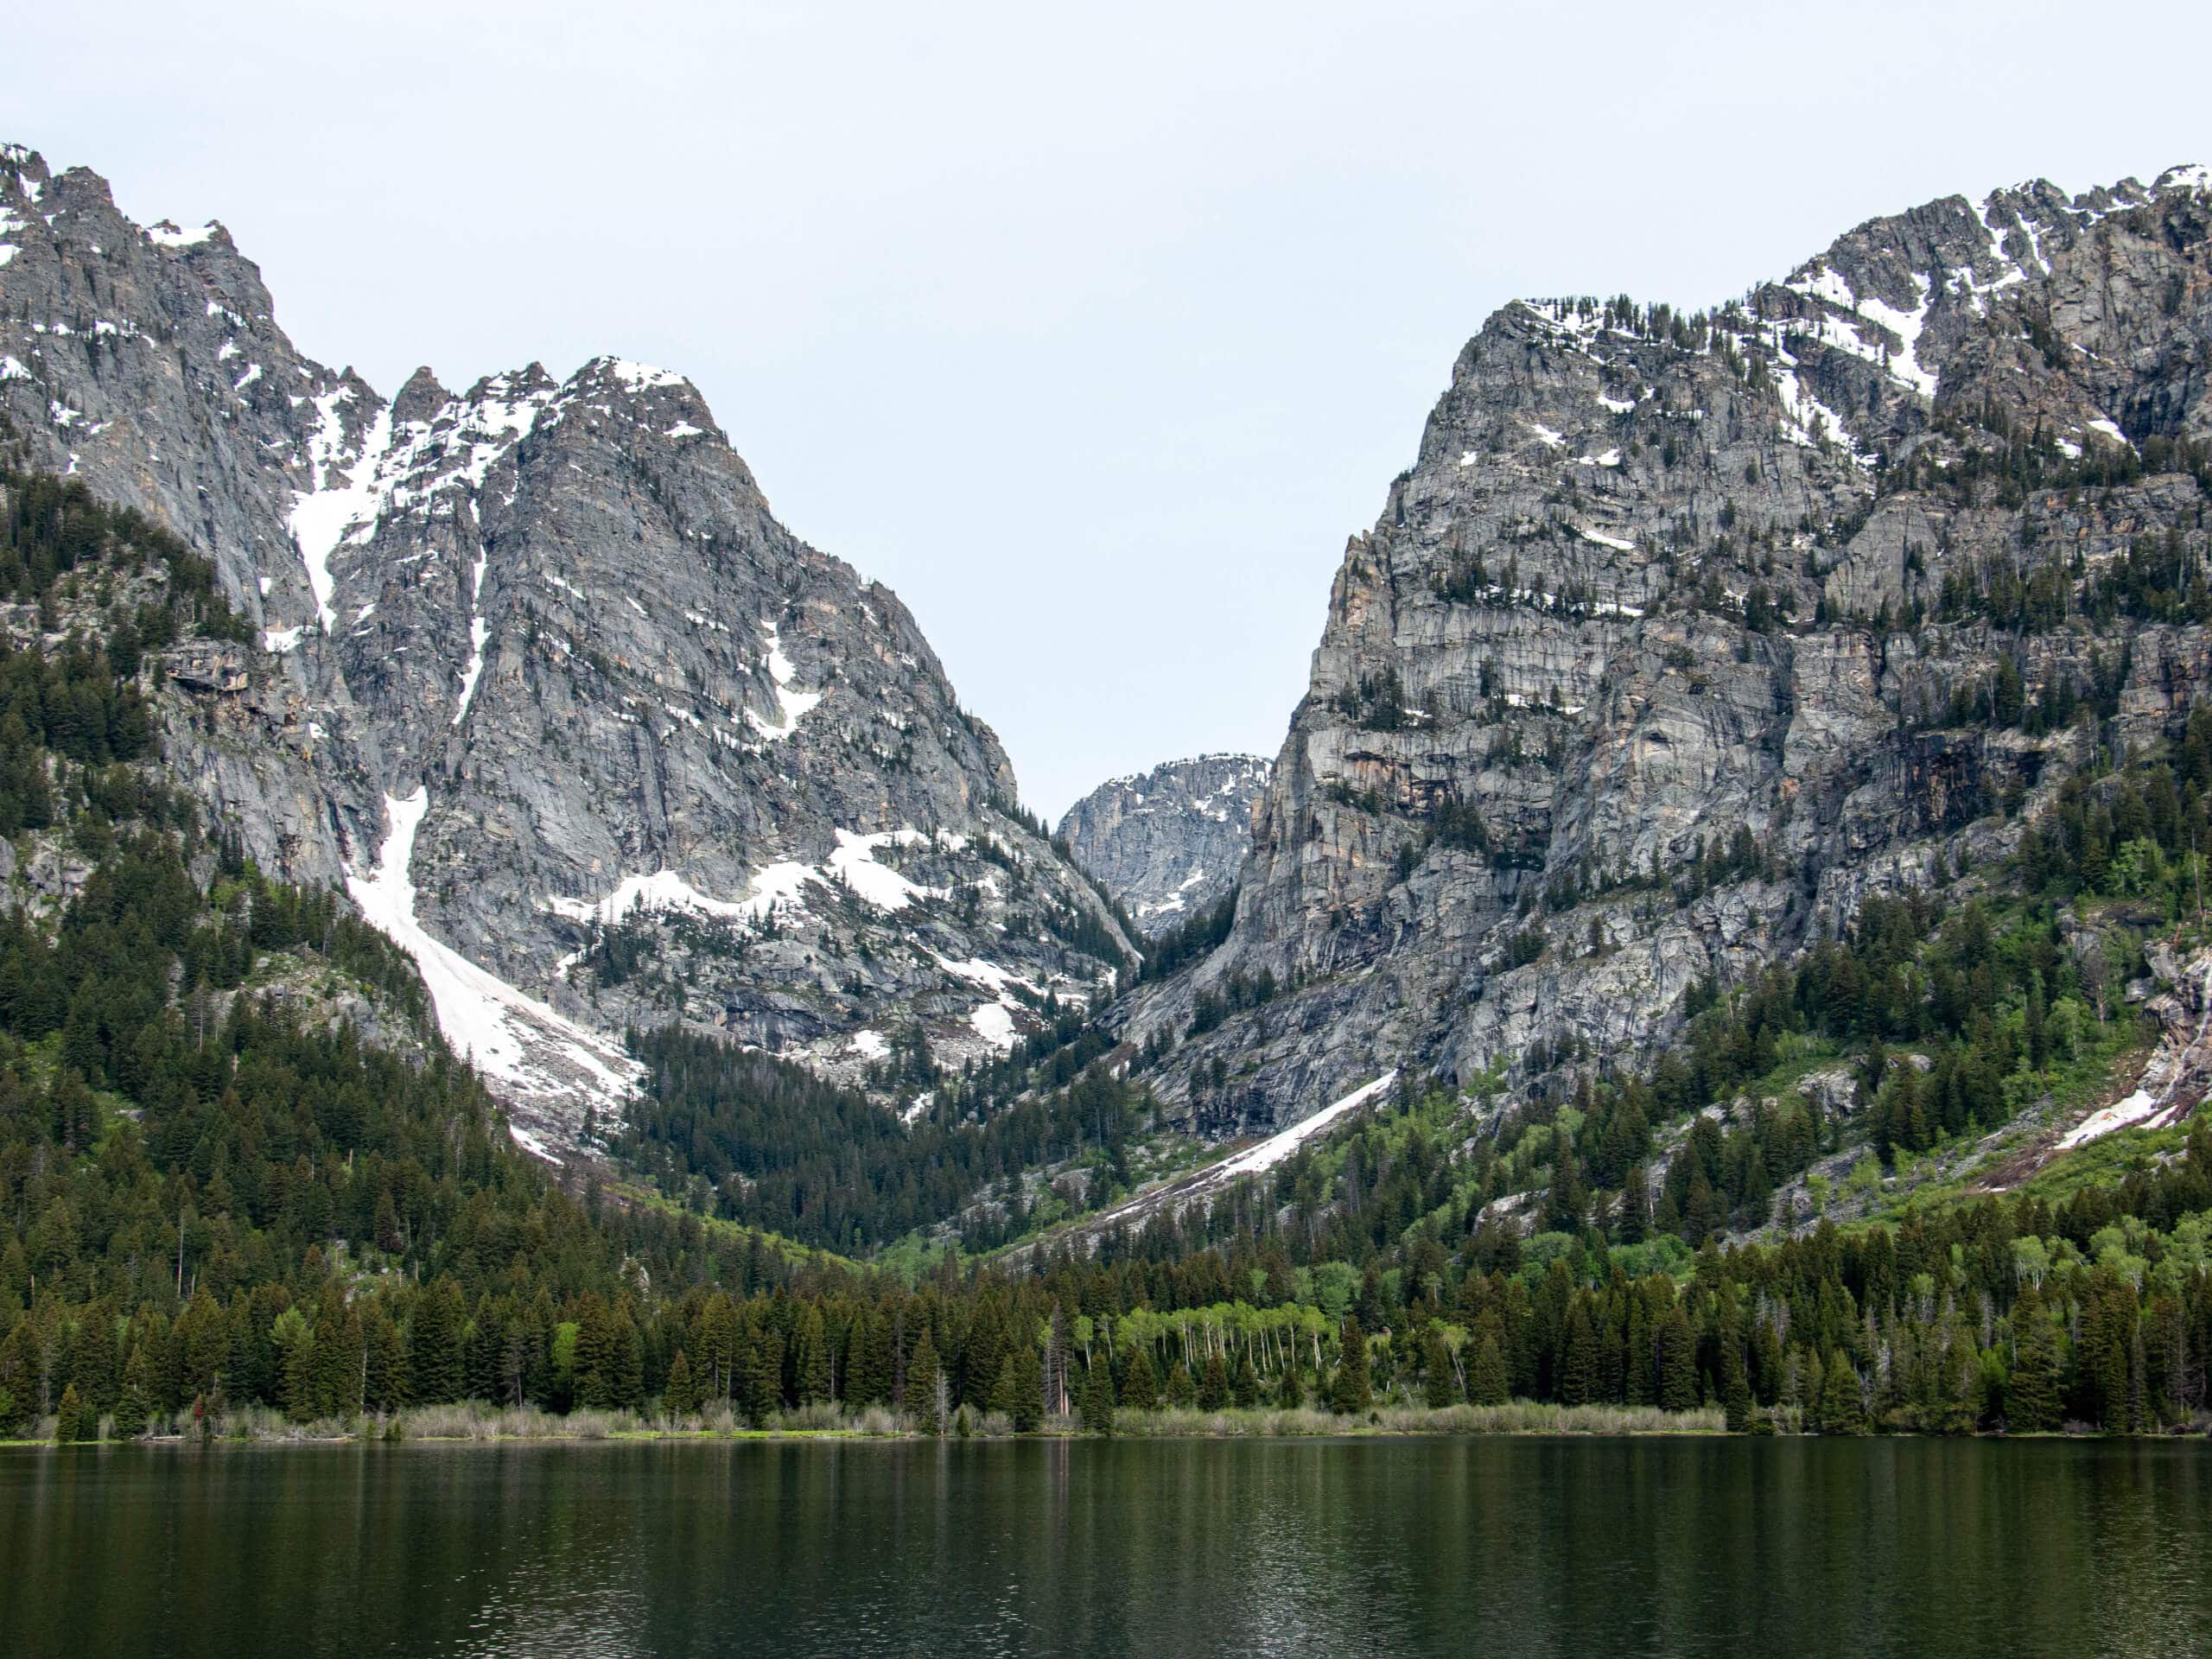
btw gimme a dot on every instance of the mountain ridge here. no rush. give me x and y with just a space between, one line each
1168 842
563 613
1641 595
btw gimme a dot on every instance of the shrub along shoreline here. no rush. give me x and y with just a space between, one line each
475 1422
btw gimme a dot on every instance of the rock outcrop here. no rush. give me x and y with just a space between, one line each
1685 633
1167 843
543 682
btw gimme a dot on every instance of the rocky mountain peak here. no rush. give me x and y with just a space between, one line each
1647 673
1168 844
546 687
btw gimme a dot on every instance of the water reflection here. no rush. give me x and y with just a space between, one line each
1490 1548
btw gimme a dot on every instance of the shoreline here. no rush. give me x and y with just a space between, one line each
459 1425
464 1425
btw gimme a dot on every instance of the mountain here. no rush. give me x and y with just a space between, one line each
536 675
1167 843
1687 635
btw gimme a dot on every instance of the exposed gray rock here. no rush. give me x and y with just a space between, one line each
544 683
1647 668
1167 843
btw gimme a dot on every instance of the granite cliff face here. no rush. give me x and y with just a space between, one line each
1167 843
543 682
1681 634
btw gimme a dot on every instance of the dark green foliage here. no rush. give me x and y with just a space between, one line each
1096 1401
783 1150
1198 937
1351 1391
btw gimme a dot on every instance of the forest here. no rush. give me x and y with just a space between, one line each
222 1210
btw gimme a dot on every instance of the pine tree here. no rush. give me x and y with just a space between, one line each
1675 1359
681 1397
294 1345
1735 1386
134 1408
1436 1366
1843 1411
1634 1218
1244 1382
1213 1388
1180 1390
385 1384
812 1366
2031 1396
1577 1371
69 1418
1096 1407
761 1372
1349 1393
434 1344
627 1388
1029 1409
1487 1382
1139 1383
868 1378
1005 1392
925 1401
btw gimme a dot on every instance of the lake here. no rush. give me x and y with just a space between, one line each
1478 1546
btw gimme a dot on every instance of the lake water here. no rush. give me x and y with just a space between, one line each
1477 1547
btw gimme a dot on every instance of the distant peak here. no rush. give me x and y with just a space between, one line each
420 398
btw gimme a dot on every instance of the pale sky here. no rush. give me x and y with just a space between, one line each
1092 331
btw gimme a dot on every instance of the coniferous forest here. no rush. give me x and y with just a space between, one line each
226 1208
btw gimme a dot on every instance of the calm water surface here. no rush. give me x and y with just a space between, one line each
1498 1547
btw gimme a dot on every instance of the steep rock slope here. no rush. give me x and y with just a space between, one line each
1655 663
1167 843
541 680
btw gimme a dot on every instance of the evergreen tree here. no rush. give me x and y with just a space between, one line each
813 1366
69 1419
1843 1411
1487 1381
1213 1388
925 1390
1096 1405
294 1344
1028 1409
1675 1360
385 1384
1006 1391
1140 1385
1350 1392
434 1344
1578 1375
2032 1394
1244 1382
681 1397
133 1407
1436 1369
868 1376
1735 1386
1633 1219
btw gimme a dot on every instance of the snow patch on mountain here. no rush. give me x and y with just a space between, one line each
795 705
338 496
537 1060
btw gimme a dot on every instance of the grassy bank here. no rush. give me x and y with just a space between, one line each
474 1421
